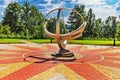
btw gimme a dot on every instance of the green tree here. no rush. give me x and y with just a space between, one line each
118 30
1 29
25 17
97 29
74 18
51 25
12 16
108 28
5 31
90 18
31 19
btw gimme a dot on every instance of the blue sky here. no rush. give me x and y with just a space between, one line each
102 8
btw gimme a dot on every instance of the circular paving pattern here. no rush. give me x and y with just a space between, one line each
92 63
39 57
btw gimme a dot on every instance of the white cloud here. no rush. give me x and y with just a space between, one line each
89 2
57 5
118 3
100 7
2 13
104 12
6 2
3 6
49 2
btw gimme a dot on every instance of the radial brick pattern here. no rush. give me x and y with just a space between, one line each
92 63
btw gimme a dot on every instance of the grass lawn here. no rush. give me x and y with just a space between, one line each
94 42
87 42
10 41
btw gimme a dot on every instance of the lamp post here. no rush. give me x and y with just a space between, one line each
114 27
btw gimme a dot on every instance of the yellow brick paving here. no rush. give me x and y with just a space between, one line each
44 47
4 58
113 73
118 62
11 47
7 52
114 56
6 69
7 57
114 50
59 69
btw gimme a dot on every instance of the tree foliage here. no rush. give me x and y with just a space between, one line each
118 30
12 16
31 20
90 19
26 21
74 18
23 19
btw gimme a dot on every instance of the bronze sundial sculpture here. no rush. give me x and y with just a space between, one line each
62 38
62 54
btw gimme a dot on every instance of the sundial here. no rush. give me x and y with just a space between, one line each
62 54
63 38
97 62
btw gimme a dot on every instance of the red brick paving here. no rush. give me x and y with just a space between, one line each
8 50
112 58
52 48
11 55
80 66
13 60
109 63
28 71
100 50
88 72
26 47
111 54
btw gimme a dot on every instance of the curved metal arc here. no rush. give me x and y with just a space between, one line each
49 33
63 22
61 39
58 29
50 12
55 10
67 36
78 14
74 34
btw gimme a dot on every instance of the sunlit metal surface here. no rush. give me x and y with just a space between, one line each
61 38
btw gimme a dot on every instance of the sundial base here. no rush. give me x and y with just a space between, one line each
61 58
63 53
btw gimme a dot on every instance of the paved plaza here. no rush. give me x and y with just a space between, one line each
92 62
